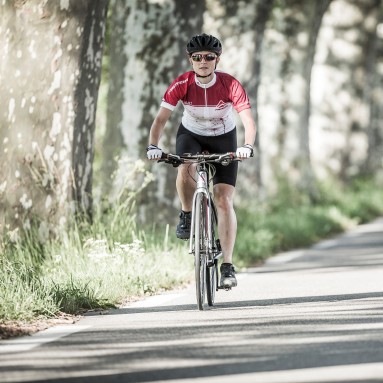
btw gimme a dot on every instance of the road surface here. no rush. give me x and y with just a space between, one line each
313 315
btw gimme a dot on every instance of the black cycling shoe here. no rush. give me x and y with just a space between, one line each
228 279
183 227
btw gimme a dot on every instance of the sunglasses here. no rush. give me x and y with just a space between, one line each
208 57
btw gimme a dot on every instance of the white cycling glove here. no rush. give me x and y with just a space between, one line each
153 152
245 151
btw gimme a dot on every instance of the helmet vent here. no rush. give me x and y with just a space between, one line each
204 42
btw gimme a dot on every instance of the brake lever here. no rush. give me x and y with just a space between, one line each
172 159
227 160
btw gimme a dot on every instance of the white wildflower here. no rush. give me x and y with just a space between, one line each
14 235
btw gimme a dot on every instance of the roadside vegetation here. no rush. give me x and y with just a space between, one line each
290 220
111 261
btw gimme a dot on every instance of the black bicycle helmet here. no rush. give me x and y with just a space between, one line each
204 42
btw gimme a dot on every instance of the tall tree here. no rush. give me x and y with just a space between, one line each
264 8
315 13
352 96
298 24
147 53
117 59
241 27
371 90
49 74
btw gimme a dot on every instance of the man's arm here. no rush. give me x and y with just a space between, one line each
158 125
249 125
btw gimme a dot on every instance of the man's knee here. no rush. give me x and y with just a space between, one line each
184 179
223 197
182 172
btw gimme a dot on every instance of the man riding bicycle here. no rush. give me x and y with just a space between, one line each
207 124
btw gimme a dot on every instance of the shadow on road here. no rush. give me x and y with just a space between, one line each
338 331
249 303
217 349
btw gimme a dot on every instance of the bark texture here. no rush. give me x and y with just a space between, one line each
147 54
241 26
315 12
349 139
292 39
49 74
372 89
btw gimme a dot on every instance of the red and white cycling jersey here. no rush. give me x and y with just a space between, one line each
208 107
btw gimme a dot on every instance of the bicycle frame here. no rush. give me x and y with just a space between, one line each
202 174
204 245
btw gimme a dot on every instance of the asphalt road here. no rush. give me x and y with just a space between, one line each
314 315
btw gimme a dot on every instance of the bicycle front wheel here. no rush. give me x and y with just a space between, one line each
211 282
212 269
200 248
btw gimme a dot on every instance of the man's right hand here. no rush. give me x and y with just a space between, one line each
153 152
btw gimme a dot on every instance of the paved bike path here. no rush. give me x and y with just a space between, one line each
314 315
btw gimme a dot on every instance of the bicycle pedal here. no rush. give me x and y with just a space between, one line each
224 287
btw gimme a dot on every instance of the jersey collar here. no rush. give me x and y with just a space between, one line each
209 84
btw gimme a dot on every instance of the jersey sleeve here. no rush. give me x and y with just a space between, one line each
175 92
239 96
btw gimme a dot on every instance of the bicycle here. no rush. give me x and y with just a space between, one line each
203 242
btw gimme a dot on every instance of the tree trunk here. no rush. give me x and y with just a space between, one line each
352 95
285 98
242 24
112 140
298 24
372 87
147 54
307 175
264 8
49 74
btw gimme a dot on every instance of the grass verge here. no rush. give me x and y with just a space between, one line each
101 265
289 220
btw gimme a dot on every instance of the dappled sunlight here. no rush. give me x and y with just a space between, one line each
87 223
305 339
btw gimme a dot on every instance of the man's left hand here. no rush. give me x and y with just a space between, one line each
245 151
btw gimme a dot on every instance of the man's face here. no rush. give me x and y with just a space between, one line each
204 62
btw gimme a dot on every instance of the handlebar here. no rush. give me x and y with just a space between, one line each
175 160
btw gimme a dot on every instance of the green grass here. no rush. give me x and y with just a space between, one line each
290 221
90 266
77 275
23 293
103 264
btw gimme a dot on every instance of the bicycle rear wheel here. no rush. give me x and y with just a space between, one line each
200 247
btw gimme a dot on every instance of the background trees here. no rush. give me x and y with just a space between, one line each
313 70
49 74
146 53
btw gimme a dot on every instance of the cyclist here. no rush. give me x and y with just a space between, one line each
207 124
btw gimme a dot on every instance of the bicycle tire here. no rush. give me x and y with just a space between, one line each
211 283
212 270
200 249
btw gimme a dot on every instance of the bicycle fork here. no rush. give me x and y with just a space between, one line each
202 187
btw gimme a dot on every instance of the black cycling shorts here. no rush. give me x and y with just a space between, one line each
189 142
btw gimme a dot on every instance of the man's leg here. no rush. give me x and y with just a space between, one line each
227 220
185 188
227 230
